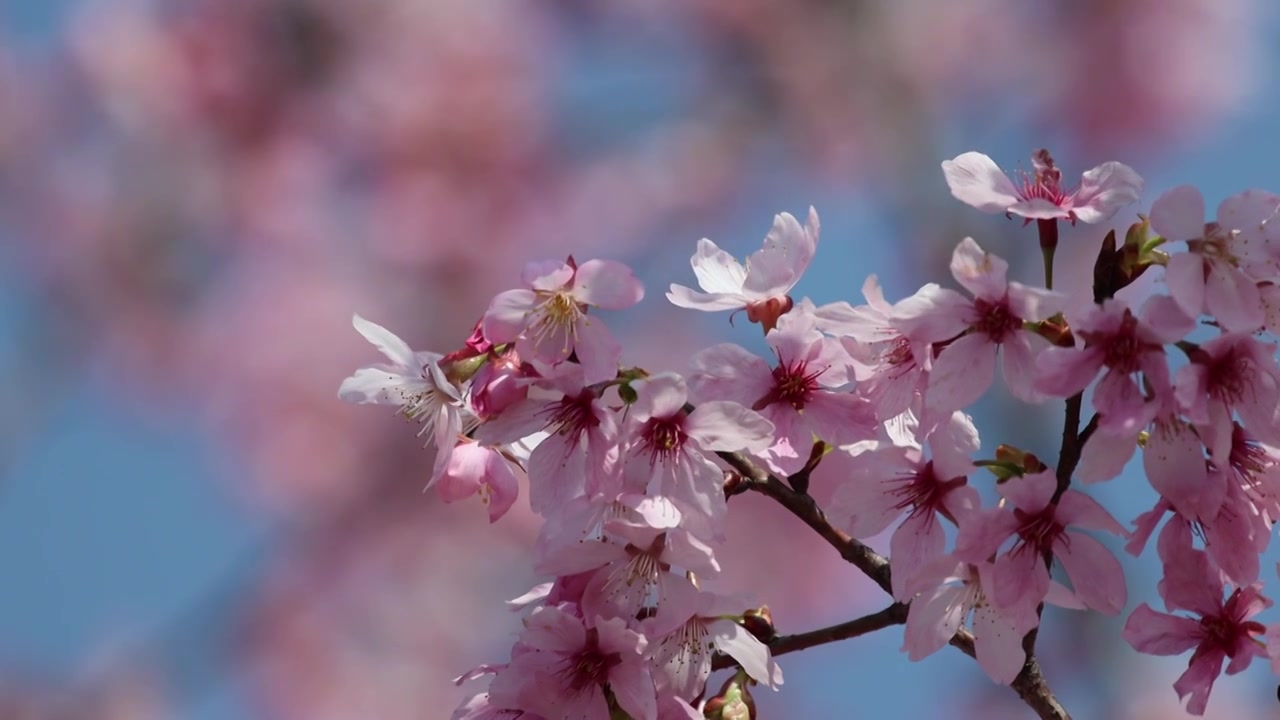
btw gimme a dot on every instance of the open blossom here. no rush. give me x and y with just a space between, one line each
632 565
1126 346
978 328
761 287
890 479
1233 372
549 321
1214 275
667 449
975 179
1040 527
580 451
689 628
561 667
946 593
802 396
890 366
415 383
1222 631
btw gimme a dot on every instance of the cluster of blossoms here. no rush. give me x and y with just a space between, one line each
631 471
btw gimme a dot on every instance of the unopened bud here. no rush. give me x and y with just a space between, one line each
767 312
759 622
734 702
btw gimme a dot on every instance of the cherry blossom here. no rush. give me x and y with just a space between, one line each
415 383
1041 529
1212 274
563 667
1192 583
974 330
976 180
802 396
473 468
890 479
549 321
689 627
761 286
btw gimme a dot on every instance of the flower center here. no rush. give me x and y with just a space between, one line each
1122 348
995 320
793 384
589 667
923 490
1038 530
664 438
558 316
572 415
1045 183
1228 378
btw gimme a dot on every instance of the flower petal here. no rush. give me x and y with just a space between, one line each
976 180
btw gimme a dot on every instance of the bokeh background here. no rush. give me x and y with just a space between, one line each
196 195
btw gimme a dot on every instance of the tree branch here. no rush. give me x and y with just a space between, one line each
1029 684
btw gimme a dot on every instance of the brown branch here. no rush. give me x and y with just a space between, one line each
895 614
1029 684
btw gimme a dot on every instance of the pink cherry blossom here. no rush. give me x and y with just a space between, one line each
976 180
1211 276
692 625
667 449
890 367
975 330
1126 346
802 396
761 287
947 594
888 480
474 468
1233 372
1040 528
581 450
549 320
1223 629
415 383
633 566
562 666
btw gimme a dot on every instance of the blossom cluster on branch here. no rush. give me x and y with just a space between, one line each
632 471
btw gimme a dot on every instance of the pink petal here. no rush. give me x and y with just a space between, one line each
1067 371
981 273
1095 573
718 272
1175 465
505 318
1030 493
788 248
550 628
933 619
1020 576
1184 274
1157 633
998 645
982 532
1179 214
659 396
729 372
720 425
1164 320
952 445
1104 190
1079 510
976 180
933 314
597 350
1233 298
1105 456
387 342
1035 304
962 373
733 640
1020 364
634 690
1197 681
504 486
682 296
607 284
918 541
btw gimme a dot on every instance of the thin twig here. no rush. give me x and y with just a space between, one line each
1029 684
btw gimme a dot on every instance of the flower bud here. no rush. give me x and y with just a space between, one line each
759 622
734 702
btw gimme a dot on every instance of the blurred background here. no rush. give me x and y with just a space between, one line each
196 195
